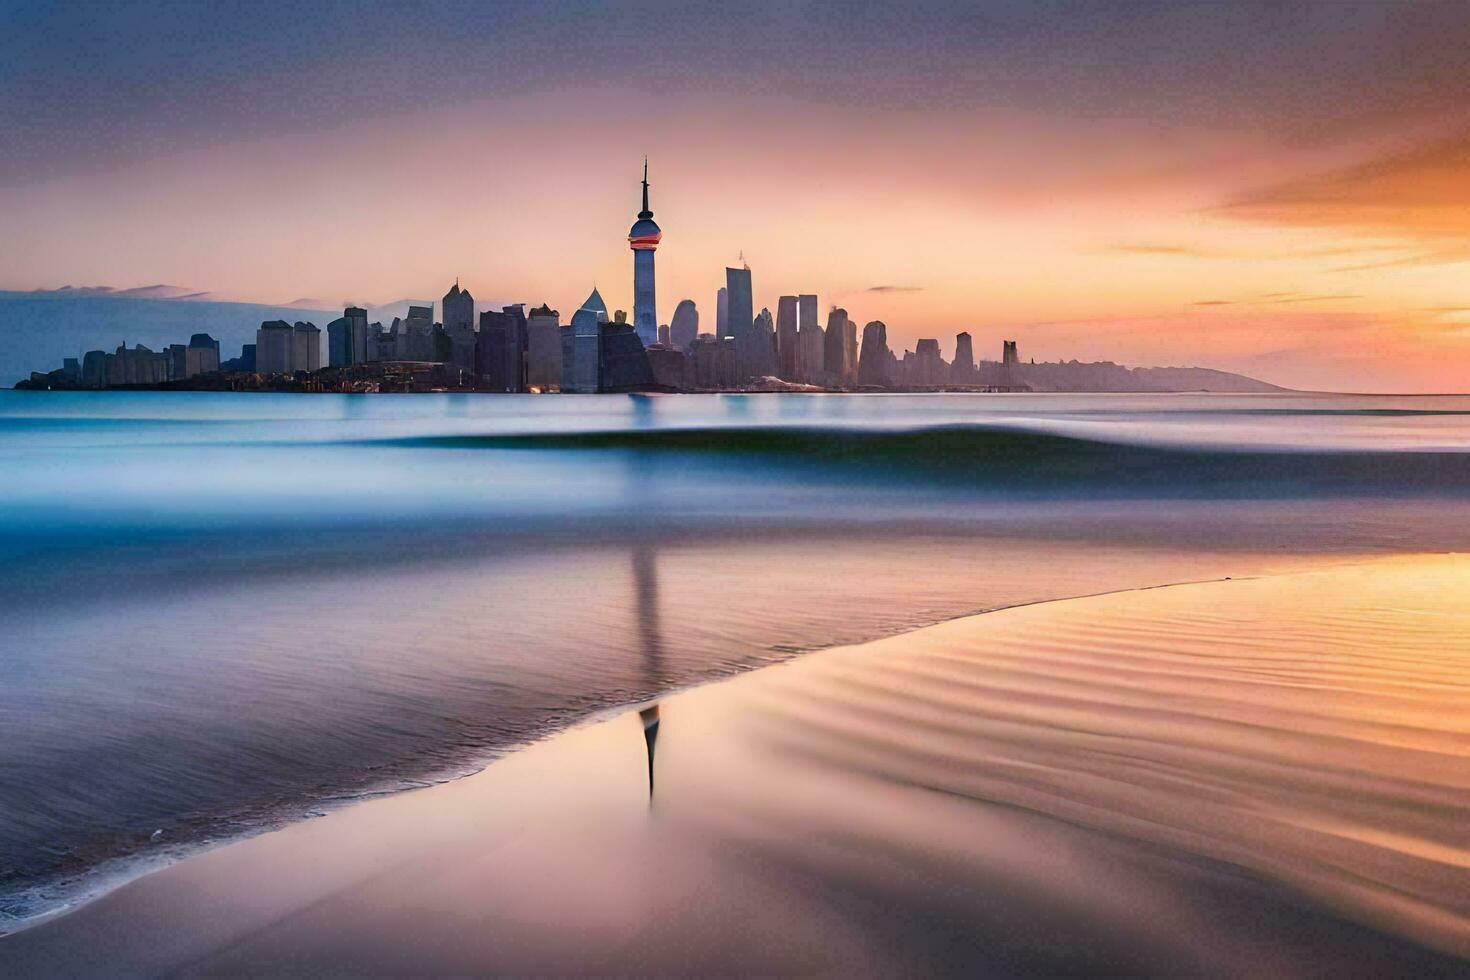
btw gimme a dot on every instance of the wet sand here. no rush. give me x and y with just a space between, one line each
1242 777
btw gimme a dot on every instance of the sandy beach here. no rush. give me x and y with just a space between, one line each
1242 777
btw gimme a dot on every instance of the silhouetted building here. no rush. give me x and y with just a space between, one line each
874 358
581 364
94 369
643 239
71 369
199 356
838 366
786 337
347 338
927 369
810 352
625 364
722 312
713 360
1008 356
543 348
459 308
135 366
670 367
684 327
500 350
962 371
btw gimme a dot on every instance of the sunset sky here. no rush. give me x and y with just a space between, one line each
1278 189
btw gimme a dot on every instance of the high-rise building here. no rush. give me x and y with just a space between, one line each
500 350
836 365
928 369
543 348
1008 356
786 336
962 371
740 307
760 346
684 327
459 308
643 239
275 348
306 347
875 358
722 312
809 347
581 361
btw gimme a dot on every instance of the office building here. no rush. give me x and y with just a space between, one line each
786 337
500 350
543 348
874 359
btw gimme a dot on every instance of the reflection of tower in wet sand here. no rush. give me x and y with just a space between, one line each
645 584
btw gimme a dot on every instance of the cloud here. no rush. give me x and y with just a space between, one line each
1323 298
894 289
1421 195
1213 302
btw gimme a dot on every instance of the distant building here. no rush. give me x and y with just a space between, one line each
94 369
810 352
275 348
670 367
199 356
928 369
713 361
786 337
1008 356
347 338
135 366
581 364
760 360
458 307
306 347
837 366
643 239
500 351
416 334
962 371
71 369
740 312
722 312
458 345
543 348
684 327
875 358
663 335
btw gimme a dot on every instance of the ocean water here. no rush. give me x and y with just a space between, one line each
223 613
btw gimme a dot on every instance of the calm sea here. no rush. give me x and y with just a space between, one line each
226 612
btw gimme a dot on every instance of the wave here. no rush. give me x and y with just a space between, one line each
1016 461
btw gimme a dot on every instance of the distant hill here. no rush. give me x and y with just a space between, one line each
38 329
1107 376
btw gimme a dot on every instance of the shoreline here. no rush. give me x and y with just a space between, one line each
133 867
846 666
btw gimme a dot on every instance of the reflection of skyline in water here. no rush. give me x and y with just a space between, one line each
645 583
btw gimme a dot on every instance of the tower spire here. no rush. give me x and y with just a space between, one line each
645 213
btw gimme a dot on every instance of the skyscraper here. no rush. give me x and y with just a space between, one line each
740 307
835 366
874 359
500 350
643 239
786 342
543 347
684 327
809 350
963 369
459 308
740 319
722 312
581 351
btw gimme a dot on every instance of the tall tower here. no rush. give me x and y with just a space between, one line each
643 239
